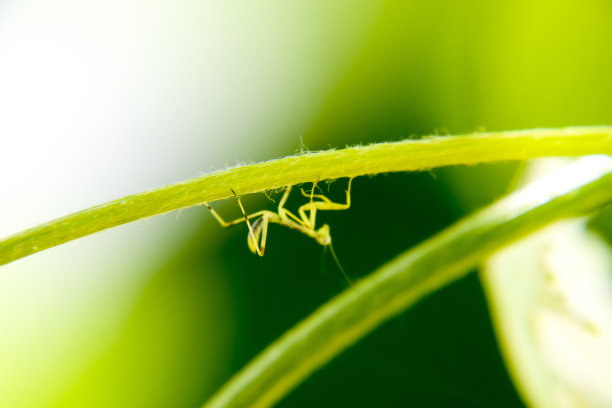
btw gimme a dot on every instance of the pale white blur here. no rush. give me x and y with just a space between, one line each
551 301
103 99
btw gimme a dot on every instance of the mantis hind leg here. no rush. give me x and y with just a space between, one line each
284 213
324 204
232 222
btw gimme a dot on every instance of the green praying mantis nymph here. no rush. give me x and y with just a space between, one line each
305 223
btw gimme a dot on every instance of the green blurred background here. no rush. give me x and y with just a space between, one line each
161 313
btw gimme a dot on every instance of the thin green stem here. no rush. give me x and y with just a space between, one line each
573 191
406 155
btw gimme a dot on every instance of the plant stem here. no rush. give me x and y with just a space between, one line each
408 155
574 190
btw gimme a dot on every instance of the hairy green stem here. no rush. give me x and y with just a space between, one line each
575 190
406 155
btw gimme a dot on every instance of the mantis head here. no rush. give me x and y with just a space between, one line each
322 235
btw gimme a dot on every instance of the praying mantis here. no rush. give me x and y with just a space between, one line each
304 223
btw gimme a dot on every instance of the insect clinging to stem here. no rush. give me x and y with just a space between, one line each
304 223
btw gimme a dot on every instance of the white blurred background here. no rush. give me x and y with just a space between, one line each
103 99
